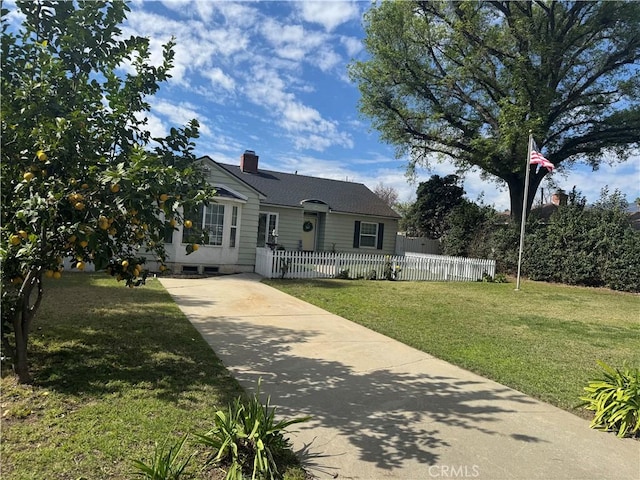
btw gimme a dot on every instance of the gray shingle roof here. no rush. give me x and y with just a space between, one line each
286 189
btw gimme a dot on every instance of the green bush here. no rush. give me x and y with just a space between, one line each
578 245
468 230
622 271
615 399
166 464
247 440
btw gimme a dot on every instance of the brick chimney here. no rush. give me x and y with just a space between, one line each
249 162
559 198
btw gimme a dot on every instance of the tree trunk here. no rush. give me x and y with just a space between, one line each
516 192
26 308
20 362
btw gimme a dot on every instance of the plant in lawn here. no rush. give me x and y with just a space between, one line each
166 464
615 400
247 438
343 274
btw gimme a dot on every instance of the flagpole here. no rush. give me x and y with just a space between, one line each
523 221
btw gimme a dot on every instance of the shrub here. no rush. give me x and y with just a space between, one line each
468 230
166 464
246 439
615 399
343 274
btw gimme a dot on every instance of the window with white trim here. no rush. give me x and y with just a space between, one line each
368 234
267 226
208 225
233 231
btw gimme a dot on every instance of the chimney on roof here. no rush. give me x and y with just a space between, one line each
249 162
559 198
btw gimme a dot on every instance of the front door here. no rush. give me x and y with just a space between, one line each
309 226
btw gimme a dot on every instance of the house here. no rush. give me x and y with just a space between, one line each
262 208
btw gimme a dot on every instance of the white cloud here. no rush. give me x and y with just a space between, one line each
180 114
156 126
292 42
329 14
352 45
305 125
218 77
198 47
327 59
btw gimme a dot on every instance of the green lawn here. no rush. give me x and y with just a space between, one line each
543 340
115 369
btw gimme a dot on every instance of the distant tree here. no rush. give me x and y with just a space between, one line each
407 223
81 176
469 228
435 199
387 193
468 81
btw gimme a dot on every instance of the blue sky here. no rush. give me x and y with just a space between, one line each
271 76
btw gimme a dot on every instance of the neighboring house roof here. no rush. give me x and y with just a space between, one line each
291 190
544 212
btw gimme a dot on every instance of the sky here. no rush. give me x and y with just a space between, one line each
271 76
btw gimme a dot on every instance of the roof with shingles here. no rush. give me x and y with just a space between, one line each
290 190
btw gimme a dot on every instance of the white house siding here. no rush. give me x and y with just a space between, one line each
248 225
226 258
339 230
290 222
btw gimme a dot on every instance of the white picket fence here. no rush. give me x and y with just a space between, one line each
412 266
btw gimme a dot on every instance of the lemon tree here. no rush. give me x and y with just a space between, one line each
82 177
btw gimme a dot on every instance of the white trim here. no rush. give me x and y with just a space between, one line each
368 235
243 198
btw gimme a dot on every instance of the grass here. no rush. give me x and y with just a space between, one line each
116 370
543 340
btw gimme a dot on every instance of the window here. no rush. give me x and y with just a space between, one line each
234 227
267 225
368 235
213 224
208 221
168 234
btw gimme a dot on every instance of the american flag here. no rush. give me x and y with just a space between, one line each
538 159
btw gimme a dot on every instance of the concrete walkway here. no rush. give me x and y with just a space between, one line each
382 410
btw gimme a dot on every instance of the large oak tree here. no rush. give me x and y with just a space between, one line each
468 81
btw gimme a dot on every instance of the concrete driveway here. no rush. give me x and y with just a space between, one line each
382 410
